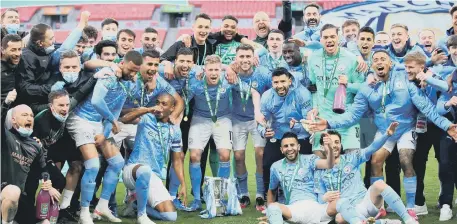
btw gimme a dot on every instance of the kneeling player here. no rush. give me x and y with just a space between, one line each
147 163
295 175
356 204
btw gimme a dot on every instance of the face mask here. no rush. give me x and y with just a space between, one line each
24 132
50 49
60 117
88 50
70 77
109 36
12 28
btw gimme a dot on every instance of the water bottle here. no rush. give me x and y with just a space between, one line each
340 100
54 213
43 201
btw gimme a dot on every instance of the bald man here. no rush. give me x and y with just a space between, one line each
19 151
262 24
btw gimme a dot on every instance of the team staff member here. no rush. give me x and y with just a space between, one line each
19 151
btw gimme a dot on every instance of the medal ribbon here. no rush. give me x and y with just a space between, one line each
288 188
328 82
340 171
208 99
244 100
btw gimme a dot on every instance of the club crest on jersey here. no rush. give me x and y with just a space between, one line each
347 169
255 84
223 90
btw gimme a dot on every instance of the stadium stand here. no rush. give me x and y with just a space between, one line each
25 13
119 11
239 9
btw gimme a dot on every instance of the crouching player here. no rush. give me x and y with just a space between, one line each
355 203
146 166
295 175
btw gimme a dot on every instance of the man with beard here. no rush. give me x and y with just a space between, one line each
262 26
184 70
427 41
447 104
272 58
227 50
295 175
451 31
19 151
293 58
212 119
156 141
150 41
11 23
355 203
328 68
149 85
428 134
313 24
243 123
11 54
283 106
382 39
385 99
91 122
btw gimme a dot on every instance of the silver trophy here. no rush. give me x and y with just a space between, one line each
220 193
273 139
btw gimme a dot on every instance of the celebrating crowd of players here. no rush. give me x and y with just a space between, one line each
103 106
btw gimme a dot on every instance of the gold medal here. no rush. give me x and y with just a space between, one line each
185 118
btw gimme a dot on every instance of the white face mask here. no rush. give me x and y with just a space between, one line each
50 49
70 77
110 36
59 117
12 28
24 132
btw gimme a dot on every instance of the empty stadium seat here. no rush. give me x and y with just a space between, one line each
119 11
61 35
239 9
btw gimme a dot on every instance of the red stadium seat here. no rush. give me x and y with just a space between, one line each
61 35
237 8
25 13
120 11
